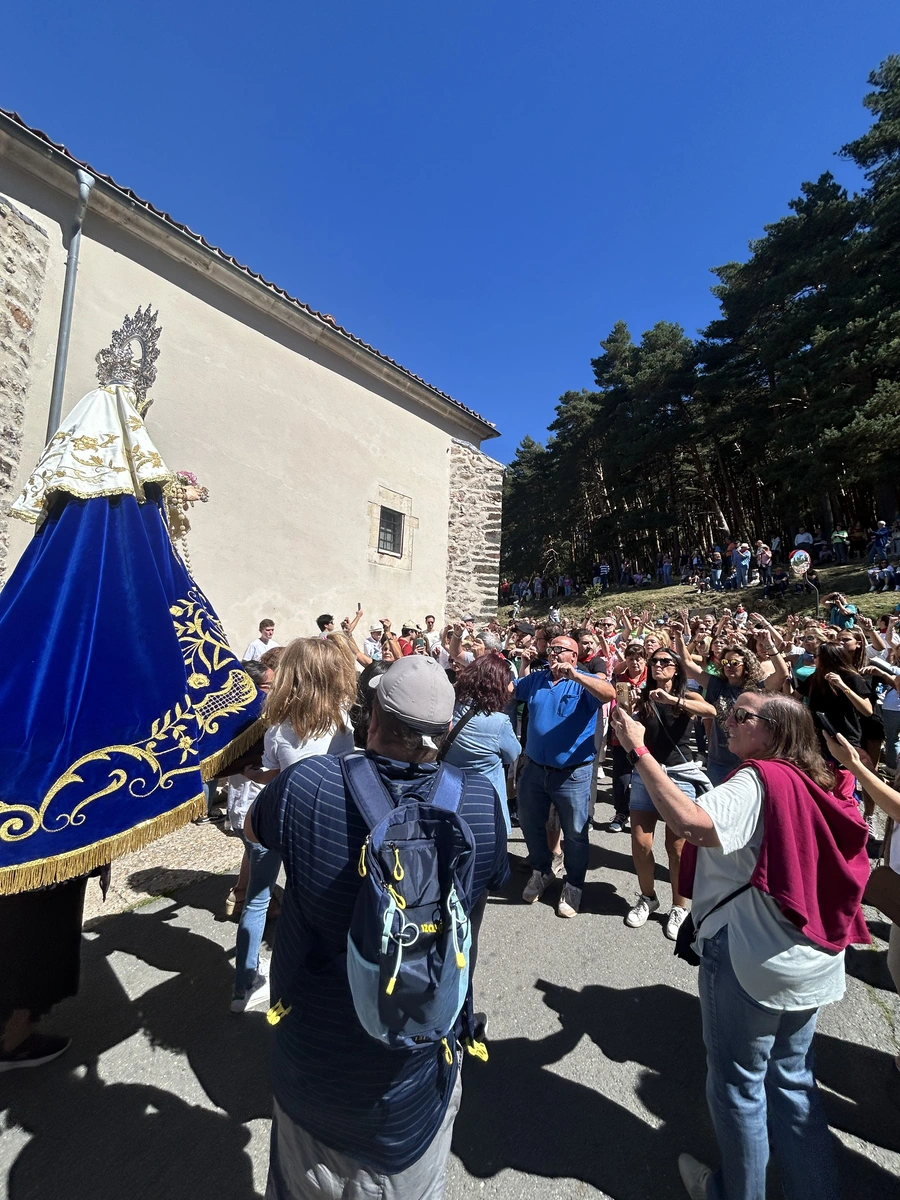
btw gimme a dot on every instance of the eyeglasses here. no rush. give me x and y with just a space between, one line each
662 662
741 715
732 662
560 650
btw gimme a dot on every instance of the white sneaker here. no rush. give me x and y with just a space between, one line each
557 865
638 914
569 901
675 921
694 1175
256 996
535 886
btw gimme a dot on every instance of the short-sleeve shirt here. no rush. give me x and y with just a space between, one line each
837 708
377 1105
721 695
562 717
842 620
773 961
258 648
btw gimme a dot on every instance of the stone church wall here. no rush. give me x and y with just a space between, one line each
23 260
473 551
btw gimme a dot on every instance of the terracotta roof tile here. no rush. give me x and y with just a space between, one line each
327 318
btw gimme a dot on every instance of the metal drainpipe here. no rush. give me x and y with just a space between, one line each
85 183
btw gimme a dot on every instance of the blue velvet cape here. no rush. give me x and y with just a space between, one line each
119 693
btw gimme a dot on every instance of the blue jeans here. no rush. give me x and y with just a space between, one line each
741 573
716 575
891 721
640 800
569 788
760 1088
264 867
667 573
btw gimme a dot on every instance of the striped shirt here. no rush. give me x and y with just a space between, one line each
380 1106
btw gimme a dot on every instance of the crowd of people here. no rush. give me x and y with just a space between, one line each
735 564
762 748
708 725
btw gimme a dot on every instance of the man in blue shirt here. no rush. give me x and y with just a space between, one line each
352 1116
559 752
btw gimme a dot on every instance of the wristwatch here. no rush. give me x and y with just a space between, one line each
636 753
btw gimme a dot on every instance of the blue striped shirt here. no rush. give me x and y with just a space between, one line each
379 1106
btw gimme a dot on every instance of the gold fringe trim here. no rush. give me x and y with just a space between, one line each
44 871
47 497
216 763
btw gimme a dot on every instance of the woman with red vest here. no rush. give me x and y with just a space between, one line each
780 866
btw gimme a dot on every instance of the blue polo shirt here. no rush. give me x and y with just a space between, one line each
379 1106
562 717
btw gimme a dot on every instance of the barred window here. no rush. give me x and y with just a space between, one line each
390 531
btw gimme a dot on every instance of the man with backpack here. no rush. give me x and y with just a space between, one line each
389 856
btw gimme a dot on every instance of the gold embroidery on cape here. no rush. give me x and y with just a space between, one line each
206 653
175 744
165 752
75 462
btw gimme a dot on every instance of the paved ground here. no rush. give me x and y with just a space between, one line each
594 1083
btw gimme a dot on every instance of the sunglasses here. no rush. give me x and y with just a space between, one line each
732 662
662 662
560 650
742 715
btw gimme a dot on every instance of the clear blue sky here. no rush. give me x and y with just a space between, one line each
478 188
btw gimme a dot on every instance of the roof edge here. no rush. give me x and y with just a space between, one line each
320 327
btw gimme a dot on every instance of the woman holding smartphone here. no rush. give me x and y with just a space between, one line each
840 695
667 710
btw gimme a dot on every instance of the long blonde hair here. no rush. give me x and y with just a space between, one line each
313 688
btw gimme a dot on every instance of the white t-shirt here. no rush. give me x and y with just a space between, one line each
257 649
433 638
241 794
283 747
774 963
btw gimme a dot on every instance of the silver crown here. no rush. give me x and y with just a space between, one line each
130 356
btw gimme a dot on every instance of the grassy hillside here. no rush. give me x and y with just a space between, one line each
851 580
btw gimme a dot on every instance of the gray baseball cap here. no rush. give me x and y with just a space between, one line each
417 691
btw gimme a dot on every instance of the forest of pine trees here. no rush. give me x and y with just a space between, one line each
786 410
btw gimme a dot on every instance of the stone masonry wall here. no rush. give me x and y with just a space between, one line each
23 260
473 554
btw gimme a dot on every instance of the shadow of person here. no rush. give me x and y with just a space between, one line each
869 966
188 1012
867 1087
165 881
109 1141
518 1113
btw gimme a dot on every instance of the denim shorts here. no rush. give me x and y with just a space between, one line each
640 801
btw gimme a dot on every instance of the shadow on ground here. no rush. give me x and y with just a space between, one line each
93 1135
109 1140
518 1113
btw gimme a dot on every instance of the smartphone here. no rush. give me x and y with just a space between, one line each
826 724
358 606
623 696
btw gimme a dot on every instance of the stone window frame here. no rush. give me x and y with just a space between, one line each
399 503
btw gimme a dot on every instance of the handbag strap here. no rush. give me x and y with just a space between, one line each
662 726
730 896
455 732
